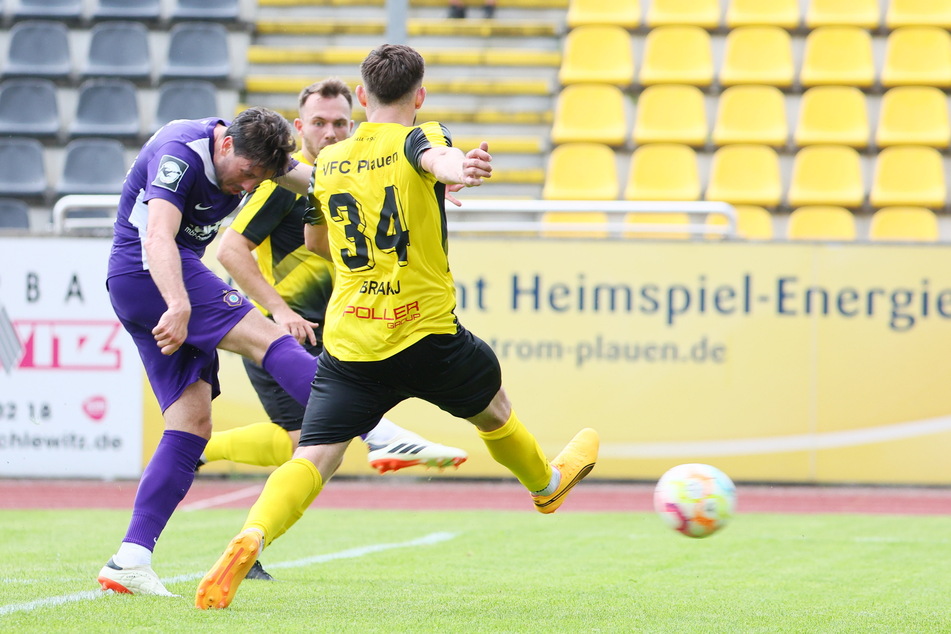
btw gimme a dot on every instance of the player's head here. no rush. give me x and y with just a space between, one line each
393 75
325 109
255 147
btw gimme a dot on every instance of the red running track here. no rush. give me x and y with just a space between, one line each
398 492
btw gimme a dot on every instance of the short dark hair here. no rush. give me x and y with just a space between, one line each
264 137
392 72
328 89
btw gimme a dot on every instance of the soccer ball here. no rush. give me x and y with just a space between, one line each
695 499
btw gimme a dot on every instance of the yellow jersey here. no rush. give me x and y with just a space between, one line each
387 232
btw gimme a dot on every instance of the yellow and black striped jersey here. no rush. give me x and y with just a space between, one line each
387 230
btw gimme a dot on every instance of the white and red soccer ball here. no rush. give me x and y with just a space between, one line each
695 499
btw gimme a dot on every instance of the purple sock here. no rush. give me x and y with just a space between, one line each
291 366
164 483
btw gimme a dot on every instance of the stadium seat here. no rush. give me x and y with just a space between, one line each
623 13
663 171
590 112
751 114
596 220
904 224
781 13
826 175
581 171
29 107
22 170
143 10
839 56
834 115
675 219
745 175
865 14
677 55
92 166
758 55
14 214
913 115
204 10
597 54
119 49
752 222
38 48
65 10
702 13
899 13
917 56
908 175
670 113
197 50
106 107
821 222
185 99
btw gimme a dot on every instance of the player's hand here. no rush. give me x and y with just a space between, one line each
172 329
454 188
296 326
477 166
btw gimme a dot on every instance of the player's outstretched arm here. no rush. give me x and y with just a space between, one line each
316 240
297 179
451 166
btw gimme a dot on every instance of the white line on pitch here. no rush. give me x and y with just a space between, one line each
224 498
352 553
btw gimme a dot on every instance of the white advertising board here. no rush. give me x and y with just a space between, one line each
70 376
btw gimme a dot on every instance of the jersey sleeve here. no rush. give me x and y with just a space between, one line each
424 137
263 212
313 215
171 173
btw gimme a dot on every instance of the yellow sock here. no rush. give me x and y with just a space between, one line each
262 444
286 495
513 446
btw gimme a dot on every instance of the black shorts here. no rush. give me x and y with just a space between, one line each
280 406
458 373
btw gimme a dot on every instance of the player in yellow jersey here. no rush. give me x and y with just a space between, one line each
390 330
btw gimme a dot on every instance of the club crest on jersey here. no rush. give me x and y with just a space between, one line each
170 172
233 298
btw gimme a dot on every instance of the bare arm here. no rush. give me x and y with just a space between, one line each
297 180
449 165
235 254
165 265
316 240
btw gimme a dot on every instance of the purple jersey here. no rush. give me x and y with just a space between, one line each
174 165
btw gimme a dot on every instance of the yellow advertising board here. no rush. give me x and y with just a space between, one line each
778 362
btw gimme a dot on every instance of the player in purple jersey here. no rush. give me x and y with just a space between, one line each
187 178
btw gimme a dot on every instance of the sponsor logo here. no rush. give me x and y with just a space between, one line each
68 345
170 172
394 318
95 408
201 207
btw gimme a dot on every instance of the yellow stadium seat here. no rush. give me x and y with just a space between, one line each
670 113
751 114
663 171
838 56
904 224
677 55
758 55
781 13
656 218
702 13
914 115
597 54
864 14
917 56
623 13
581 171
590 112
836 115
745 175
752 222
826 175
595 219
821 222
908 175
899 13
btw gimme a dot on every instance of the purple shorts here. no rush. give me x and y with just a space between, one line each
216 309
